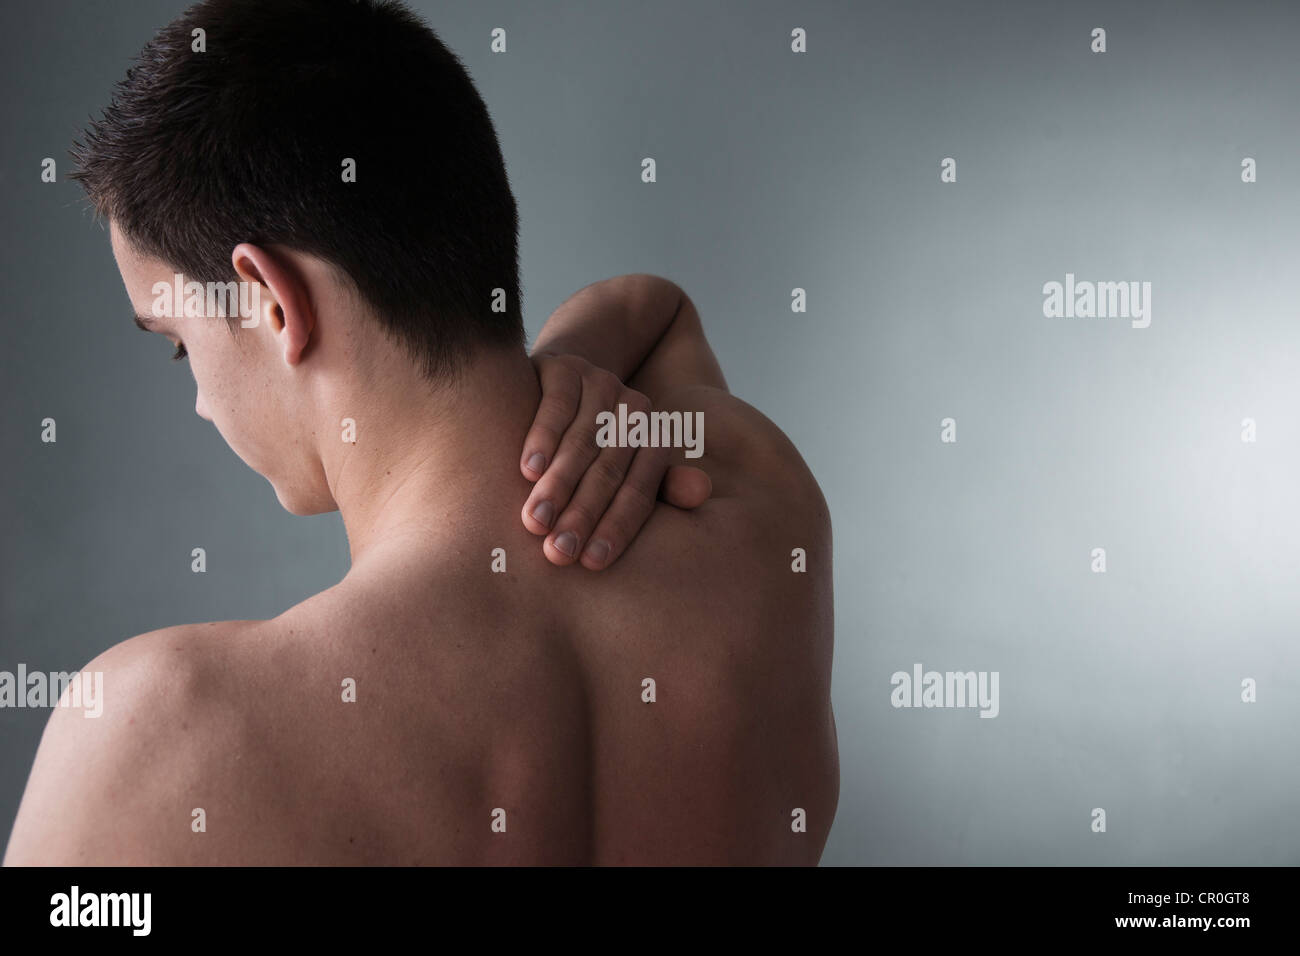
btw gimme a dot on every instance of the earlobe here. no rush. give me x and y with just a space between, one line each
295 341
296 329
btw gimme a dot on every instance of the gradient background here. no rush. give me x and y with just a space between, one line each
820 171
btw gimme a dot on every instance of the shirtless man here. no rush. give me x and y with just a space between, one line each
432 708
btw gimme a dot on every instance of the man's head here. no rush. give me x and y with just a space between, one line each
336 156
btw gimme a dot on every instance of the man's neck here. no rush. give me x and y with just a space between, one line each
427 471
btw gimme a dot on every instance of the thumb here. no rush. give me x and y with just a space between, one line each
686 487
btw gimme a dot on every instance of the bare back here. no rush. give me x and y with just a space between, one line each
673 709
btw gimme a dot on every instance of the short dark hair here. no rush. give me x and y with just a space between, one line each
199 151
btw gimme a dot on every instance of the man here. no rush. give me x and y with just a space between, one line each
461 696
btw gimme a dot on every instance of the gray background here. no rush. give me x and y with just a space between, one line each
818 171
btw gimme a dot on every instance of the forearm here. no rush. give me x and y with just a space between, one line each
641 327
614 324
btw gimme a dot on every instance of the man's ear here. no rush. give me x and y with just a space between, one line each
282 299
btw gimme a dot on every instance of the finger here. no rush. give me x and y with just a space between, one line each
632 506
686 487
561 394
574 455
591 499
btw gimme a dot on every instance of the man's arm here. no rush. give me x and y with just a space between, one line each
642 328
646 331
590 501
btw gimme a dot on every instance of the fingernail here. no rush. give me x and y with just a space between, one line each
566 543
545 513
537 463
598 551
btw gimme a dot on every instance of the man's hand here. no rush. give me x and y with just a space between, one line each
589 501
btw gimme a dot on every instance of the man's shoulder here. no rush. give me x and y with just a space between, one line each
166 673
104 786
764 492
750 448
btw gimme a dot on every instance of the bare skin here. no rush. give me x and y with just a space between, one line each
475 690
